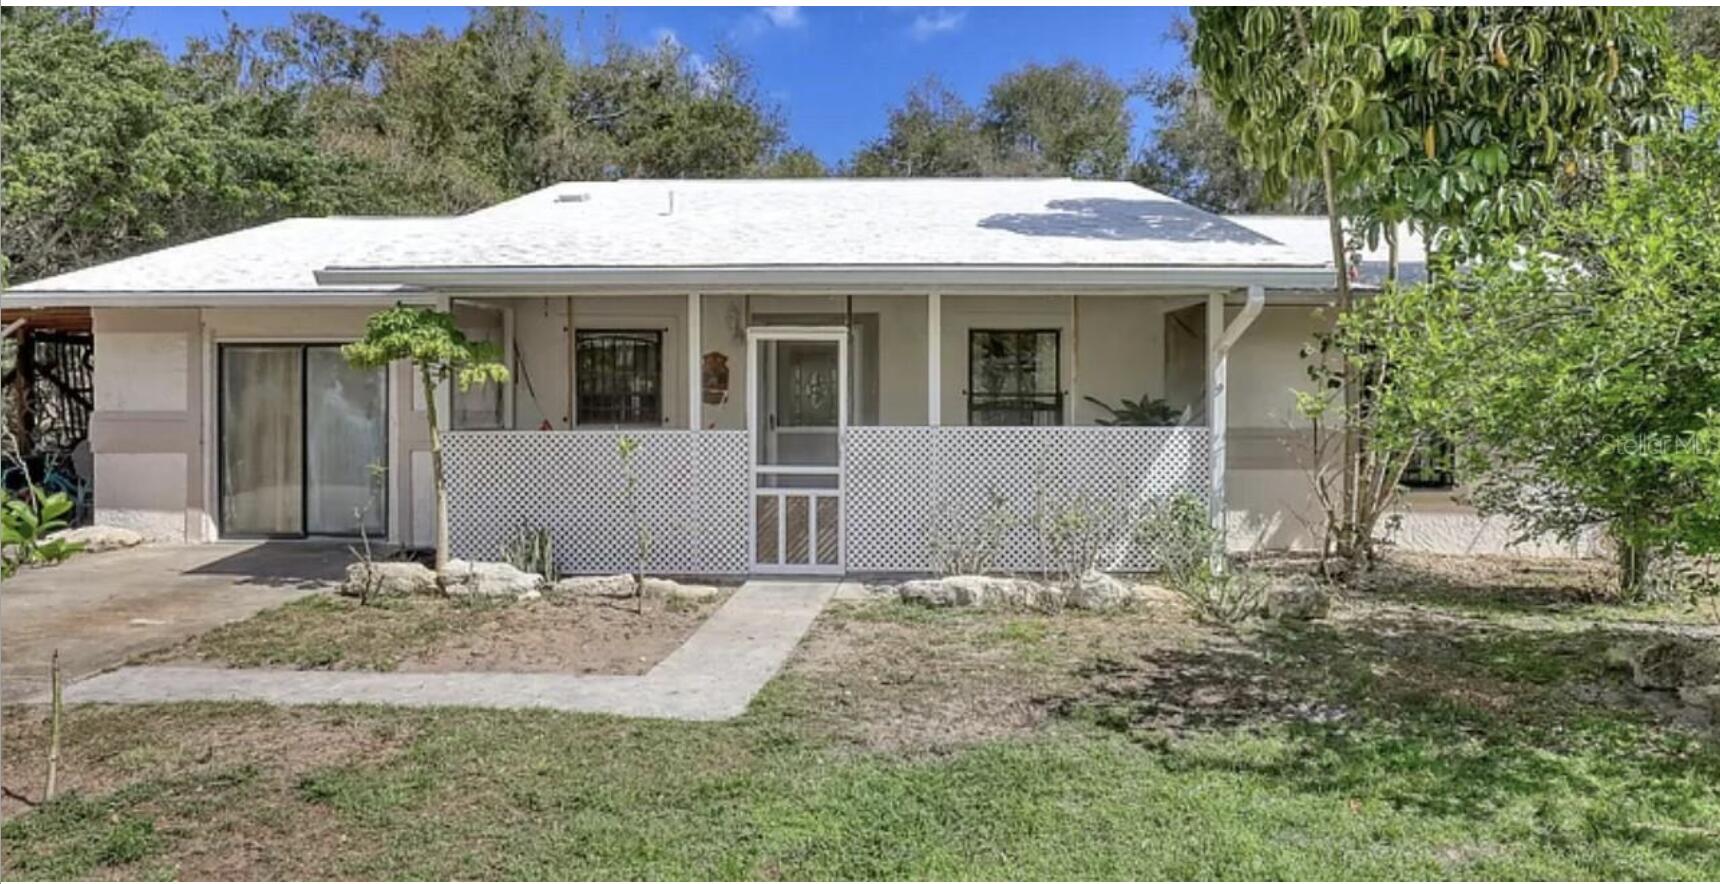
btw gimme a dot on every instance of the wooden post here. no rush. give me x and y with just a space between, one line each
53 730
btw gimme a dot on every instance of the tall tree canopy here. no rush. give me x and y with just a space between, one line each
1192 155
1068 119
111 148
933 133
1465 122
1580 360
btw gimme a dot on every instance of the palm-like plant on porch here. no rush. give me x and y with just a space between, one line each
439 353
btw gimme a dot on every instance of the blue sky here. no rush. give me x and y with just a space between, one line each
835 71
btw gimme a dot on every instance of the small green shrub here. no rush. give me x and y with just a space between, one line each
530 550
1189 547
26 522
969 546
1143 412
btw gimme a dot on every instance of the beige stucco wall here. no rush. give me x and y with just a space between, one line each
146 430
153 444
152 431
544 339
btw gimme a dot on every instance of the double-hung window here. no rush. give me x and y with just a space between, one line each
1013 377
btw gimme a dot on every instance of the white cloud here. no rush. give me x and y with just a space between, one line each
765 19
939 21
666 36
784 16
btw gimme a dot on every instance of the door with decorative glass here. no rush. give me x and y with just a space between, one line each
797 412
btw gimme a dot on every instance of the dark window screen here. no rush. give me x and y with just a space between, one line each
619 377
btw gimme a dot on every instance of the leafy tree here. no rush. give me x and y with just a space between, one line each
1696 31
933 134
441 354
1457 120
1299 90
797 163
1491 111
1071 119
1579 362
110 150
1192 156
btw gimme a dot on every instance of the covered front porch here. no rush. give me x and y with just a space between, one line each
833 433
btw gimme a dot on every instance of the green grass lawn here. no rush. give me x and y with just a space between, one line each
901 743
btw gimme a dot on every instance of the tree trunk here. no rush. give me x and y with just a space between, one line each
1392 254
436 476
1350 547
1633 559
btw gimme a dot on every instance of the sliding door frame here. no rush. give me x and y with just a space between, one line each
219 448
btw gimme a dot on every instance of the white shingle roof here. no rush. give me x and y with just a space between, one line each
680 225
279 257
1309 236
827 222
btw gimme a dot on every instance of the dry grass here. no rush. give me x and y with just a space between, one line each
1468 728
557 633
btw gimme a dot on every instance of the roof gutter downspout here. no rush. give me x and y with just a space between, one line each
1221 338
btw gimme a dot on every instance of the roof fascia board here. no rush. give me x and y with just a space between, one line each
904 277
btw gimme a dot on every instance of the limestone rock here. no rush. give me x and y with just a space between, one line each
99 538
1098 591
389 578
1669 664
611 585
977 590
488 579
1297 600
660 588
1155 594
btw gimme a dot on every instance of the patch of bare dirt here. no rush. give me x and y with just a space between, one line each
891 677
584 635
557 633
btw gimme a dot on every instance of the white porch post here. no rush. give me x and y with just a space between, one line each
934 359
1217 367
1219 339
695 370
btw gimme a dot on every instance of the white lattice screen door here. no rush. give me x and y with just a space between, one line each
797 409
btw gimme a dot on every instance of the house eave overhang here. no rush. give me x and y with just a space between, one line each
906 278
348 297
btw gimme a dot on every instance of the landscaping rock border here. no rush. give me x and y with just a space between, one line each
1095 591
622 586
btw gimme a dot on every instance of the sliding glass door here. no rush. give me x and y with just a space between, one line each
304 443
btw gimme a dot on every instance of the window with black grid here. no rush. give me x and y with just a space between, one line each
618 377
1013 377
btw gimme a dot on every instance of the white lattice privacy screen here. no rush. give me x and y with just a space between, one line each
692 495
900 482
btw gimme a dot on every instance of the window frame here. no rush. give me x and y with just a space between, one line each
1028 402
581 397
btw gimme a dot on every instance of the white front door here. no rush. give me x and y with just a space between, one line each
797 411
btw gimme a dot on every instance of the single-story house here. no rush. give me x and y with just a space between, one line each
827 375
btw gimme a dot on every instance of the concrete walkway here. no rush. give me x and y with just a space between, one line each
711 677
101 609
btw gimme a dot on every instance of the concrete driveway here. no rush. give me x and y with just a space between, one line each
101 609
